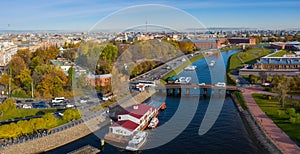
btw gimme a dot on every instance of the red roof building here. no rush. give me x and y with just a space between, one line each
133 119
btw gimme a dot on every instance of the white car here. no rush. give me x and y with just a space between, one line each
69 105
202 84
25 106
221 84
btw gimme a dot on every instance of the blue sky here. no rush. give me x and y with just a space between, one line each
81 15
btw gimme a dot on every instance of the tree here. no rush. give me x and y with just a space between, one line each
25 80
71 114
8 105
16 65
71 76
50 120
282 89
25 55
70 54
36 61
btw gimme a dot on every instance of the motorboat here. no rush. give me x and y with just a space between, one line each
137 141
190 68
153 123
212 63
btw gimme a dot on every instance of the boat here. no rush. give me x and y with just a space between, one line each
190 68
188 79
153 123
137 141
183 80
212 63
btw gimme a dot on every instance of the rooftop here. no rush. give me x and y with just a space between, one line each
140 111
127 124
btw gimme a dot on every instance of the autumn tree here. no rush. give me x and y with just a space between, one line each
25 79
15 65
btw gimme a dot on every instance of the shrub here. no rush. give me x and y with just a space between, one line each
292 120
291 112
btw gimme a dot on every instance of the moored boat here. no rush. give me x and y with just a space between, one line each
190 68
153 123
212 63
137 141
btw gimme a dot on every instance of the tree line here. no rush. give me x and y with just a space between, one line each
26 127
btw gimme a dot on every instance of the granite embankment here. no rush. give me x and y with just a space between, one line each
259 136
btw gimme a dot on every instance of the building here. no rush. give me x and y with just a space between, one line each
292 46
207 44
7 51
65 65
287 64
99 80
133 119
242 40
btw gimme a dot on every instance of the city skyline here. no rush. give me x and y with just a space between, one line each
81 16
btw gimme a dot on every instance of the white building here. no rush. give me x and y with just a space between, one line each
7 51
133 119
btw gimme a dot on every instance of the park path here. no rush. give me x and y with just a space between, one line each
280 138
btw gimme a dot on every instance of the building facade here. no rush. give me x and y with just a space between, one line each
7 51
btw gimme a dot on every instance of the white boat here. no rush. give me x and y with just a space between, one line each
190 68
212 63
188 79
153 123
183 80
137 141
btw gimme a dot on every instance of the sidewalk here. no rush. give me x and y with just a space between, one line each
282 140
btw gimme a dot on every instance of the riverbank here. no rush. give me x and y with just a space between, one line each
69 135
257 134
274 134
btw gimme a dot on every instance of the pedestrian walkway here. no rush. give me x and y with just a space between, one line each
279 137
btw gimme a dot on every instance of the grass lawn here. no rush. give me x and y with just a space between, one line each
280 53
22 113
241 100
247 56
272 108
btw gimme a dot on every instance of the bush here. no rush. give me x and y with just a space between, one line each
280 113
291 112
292 120
19 93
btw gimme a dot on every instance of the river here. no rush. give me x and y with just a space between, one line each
227 135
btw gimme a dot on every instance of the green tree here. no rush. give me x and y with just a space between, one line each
8 105
282 89
36 61
50 120
71 76
25 80
71 114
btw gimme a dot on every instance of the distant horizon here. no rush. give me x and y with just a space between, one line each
77 15
117 31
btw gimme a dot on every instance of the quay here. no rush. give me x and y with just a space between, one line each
86 150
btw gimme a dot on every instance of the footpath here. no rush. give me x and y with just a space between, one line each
280 138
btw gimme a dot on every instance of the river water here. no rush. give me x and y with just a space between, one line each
227 134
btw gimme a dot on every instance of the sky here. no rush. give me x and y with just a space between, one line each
84 15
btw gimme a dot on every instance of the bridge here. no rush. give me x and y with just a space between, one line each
176 89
